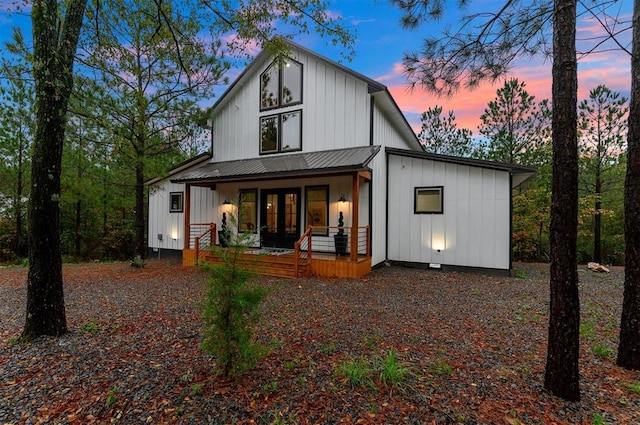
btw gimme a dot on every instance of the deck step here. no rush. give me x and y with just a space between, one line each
278 266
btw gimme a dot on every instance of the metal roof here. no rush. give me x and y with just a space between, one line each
520 172
297 164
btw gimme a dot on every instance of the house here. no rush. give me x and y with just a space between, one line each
310 149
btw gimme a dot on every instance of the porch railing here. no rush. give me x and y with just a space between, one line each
203 236
323 239
302 252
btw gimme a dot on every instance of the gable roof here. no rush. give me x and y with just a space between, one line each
379 91
519 172
307 163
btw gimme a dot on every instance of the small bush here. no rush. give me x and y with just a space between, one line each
392 372
634 387
231 309
602 351
112 398
356 373
441 367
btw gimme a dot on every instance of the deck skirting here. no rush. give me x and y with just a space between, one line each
322 265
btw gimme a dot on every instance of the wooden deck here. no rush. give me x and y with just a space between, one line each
283 264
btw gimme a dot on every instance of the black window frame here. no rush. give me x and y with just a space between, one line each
280 63
279 132
180 207
440 190
324 232
255 215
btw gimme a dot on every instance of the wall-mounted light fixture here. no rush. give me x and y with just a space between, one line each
438 245
342 198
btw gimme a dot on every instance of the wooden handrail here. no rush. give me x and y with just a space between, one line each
296 249
212 237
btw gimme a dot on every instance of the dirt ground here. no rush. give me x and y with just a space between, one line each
473 348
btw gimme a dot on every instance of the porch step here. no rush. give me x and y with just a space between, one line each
269 265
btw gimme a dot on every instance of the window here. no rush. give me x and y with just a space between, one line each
281 133
428 200
248 210
281 84
317 199
175 202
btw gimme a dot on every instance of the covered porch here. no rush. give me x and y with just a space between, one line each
287 206
309 257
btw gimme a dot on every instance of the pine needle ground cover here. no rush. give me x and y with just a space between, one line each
398 346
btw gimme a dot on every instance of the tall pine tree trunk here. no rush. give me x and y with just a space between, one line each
562 376
140 240
54 50
597 220
19 194
629 347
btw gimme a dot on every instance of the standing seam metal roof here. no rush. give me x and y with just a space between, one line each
330 161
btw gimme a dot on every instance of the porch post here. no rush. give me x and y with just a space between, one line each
187 215
355 198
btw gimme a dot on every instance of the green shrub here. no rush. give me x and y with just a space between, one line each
231 309
602 351
392 372
356 373
112 397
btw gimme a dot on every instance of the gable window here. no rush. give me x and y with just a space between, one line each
281 84
281 132
248 210
428 200
317 199
176 202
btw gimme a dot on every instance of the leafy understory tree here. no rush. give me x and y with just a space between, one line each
231 307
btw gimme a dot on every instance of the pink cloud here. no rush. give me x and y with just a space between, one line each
468 105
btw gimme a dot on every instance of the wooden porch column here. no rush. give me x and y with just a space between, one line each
187 215
355 213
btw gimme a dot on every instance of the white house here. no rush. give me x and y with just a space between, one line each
298 141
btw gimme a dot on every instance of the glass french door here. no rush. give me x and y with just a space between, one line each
279 217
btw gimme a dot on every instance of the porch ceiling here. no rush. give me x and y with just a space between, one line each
278 166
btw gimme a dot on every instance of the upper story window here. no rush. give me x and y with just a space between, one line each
281 132
281 84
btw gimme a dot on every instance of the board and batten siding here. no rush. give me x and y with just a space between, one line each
171 224
472 231
385 135
335 112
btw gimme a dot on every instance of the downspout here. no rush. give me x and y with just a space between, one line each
210 124
372 104
510 222
371 214
371 108
386 217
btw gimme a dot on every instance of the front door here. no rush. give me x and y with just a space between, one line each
279 217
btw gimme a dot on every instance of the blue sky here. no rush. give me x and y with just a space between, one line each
381 42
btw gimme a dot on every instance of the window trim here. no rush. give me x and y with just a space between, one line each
255 215
306 207
439 189
279 132
180 207
279 63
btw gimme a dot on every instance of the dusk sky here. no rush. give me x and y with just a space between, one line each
381 42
